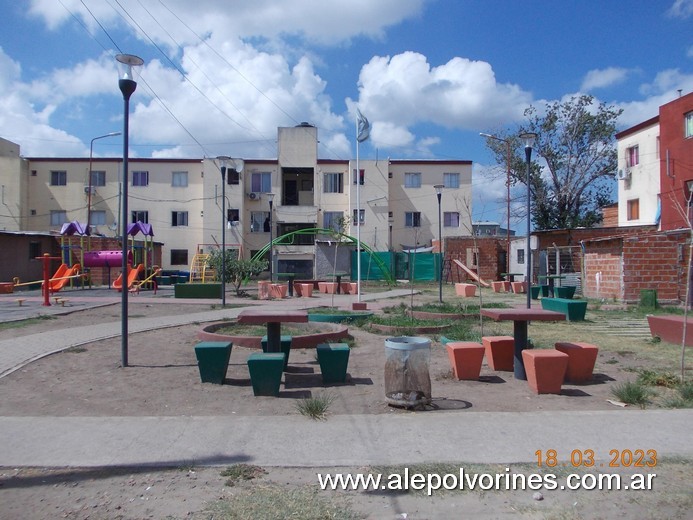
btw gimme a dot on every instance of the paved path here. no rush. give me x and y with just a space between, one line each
351 440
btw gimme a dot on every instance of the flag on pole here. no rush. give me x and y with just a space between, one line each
364 127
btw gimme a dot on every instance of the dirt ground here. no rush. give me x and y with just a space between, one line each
163 380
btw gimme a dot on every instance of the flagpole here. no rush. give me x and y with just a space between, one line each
358 217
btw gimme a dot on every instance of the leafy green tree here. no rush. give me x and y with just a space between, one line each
237 270
574 161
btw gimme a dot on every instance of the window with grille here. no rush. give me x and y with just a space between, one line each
261 182
140 216
412 219
58 178
332 183
359 219
451 219
179 218
140 178
259 222
98 178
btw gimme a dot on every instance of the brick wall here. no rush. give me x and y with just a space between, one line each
489 249
603 270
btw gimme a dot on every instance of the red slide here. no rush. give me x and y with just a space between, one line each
133 274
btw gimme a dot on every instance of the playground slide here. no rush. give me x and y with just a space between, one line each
471 273
132 276
62 276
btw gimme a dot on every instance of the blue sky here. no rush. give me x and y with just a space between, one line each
221 75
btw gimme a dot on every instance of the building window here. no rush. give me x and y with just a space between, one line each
141 178
333 183
633 156
633 209
688 121
233 215
58 178
97 218
451 180
58 217
233 176
412 180
359 219
179 179
520 256
139 216
98 178
261 182
34 250
179 218
451 219
179 257
412 219
361 176
333 220
259 222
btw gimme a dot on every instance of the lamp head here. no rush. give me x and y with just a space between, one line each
126 62
439 188
223 161
528 139
270 197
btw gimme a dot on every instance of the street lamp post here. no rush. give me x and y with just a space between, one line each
507 185
127 86
439 193
528 138
223 161
89 181
270 198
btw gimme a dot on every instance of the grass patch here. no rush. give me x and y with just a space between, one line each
632 392
240 472
261 330
25 323
315 407
654 378
75 350
279 503
457 307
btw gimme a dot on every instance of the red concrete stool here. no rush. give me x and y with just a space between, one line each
506 286
465 289
581 360
498 286
465 358
518 287
278 290
306 289
321 287
500 352
545 370
345 287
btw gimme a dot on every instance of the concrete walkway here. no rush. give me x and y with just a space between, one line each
342 440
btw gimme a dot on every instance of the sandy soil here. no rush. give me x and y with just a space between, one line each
164 380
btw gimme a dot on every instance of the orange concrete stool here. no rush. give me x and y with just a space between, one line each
321 287
545 370
500 352
518 287
581 360
506 286
306 290
345 287
354 289
465 289
331 287
278 290
498 286
465 358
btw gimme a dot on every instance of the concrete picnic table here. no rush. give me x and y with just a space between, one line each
337 277
520 317
511 276
274 319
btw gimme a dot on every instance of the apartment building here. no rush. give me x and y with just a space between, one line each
182 199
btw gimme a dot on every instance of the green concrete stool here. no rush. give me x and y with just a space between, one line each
567 292
285 347
544 291
213 360
333 359
266 372
535 290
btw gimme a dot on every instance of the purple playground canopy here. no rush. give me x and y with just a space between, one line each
74 228
140 227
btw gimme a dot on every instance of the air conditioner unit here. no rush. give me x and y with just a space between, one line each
623 175
92 188
254 195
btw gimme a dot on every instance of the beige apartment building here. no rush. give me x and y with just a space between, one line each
182 200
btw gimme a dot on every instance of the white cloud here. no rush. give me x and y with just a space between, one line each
600 78
681 9
404 90
663 89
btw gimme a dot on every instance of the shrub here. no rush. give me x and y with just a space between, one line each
632 392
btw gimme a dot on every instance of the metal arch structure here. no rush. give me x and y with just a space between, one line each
288 239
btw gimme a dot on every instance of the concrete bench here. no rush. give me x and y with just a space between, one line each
670 328
213 360
574 310
500 352
581 360
334 360
266 372
545 370
465 358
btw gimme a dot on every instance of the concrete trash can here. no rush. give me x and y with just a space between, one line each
407 378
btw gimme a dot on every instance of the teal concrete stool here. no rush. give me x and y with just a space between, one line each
266 372
285 346
544 291
535 290
333 359
213 360
567 292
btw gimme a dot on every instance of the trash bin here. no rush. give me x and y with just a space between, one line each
407 378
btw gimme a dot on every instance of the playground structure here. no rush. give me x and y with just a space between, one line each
75 245
132 275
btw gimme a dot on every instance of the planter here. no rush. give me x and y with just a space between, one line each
213 360
407 378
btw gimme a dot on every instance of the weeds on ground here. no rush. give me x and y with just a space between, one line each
654 378
315 407
682 398
25 323
632 392
240 472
